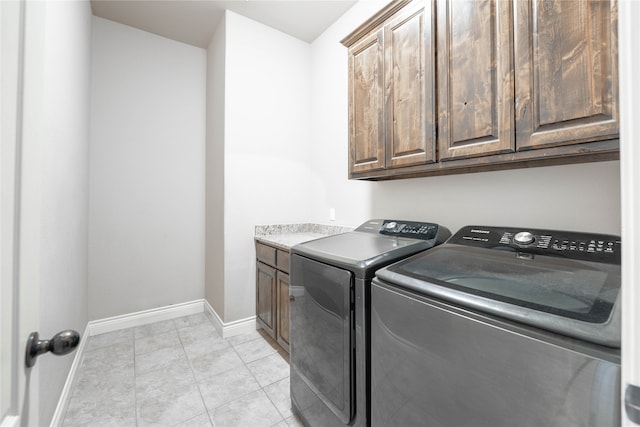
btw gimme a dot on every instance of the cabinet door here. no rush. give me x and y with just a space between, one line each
266 298
282 284
475 78
566 72
409 77
366 99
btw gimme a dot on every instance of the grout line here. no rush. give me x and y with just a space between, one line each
193 373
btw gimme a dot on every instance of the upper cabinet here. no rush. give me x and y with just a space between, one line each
409 75
566 59
475 78
391 100
451 86
366 103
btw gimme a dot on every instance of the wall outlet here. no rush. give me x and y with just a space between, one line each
332 214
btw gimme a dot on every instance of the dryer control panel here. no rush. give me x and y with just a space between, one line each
408 229
566 244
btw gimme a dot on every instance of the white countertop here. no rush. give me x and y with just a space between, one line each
285 236
286 241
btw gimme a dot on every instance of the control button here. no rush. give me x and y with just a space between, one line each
524 238
506 238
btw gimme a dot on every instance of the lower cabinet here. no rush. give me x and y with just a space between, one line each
272 292
266 297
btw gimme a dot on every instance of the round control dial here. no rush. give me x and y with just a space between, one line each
524 238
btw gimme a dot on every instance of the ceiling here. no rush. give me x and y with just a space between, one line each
194 21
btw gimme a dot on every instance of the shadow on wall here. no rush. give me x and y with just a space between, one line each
582 197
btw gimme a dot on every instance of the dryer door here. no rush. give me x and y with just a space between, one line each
321 336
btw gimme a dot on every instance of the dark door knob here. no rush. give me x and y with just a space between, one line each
62 343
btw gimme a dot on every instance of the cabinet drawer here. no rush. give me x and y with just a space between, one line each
266 254
282 260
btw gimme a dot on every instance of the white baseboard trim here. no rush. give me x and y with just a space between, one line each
145 317
65 395
226 330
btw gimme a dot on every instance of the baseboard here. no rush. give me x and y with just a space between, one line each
145 317
230 329
63 401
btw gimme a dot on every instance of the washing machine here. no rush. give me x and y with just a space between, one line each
499 326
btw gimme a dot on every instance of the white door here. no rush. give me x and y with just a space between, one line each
629 35
17 309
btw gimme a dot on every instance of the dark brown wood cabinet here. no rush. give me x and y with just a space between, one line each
391 102
566 62
516 84
475 78
366 101
272 292
266 297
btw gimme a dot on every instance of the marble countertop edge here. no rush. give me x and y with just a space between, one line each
286 236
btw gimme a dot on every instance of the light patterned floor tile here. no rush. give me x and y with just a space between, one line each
97 342
254 409
242 338
168 396
197 341
201 420
270 369
181 373
215 362
153 329
294 422
227 386
157 342
159 359
200 318
280 396
254 350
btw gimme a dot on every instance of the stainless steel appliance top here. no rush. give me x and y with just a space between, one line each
566 282
375 243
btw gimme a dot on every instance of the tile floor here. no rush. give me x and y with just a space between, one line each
181 373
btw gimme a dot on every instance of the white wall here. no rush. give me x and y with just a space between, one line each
329 126
266 154
578 197
215 168
54 200
146 209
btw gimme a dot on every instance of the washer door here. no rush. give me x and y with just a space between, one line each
321 334
433 364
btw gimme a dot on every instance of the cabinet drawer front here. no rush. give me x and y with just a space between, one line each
266 254
282 260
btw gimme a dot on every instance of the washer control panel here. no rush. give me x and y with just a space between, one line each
567 244
399 228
